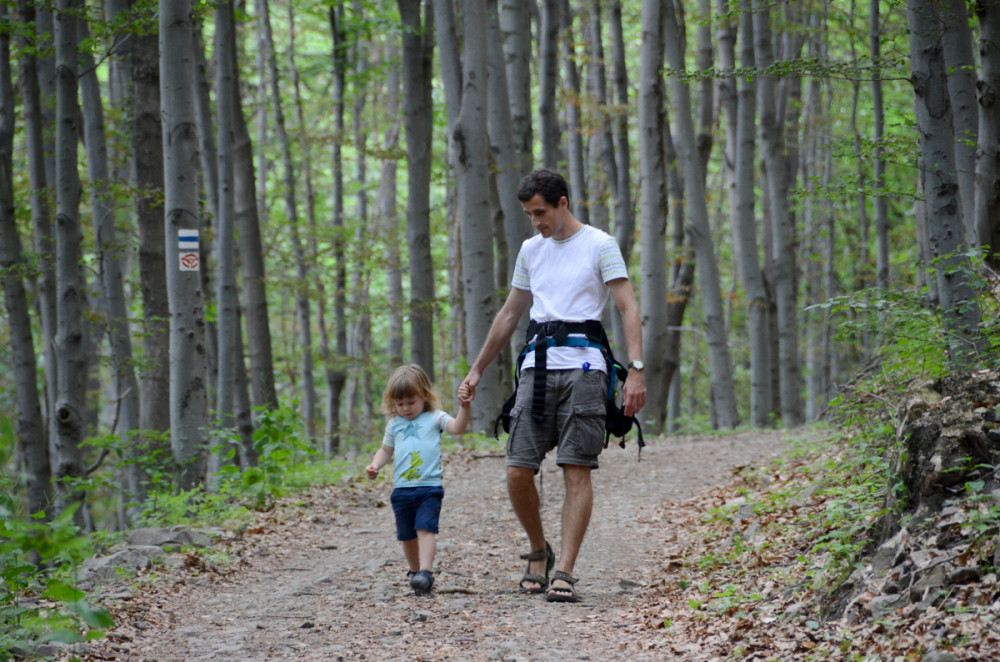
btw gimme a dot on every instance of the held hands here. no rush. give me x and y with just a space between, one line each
467 390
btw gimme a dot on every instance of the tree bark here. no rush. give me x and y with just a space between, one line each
572 102
956 40
515 27
548 123
987 196
418 44
938 176
471 150
188 398
783 250
699 230
227 318
30 428
653 212
70 333
147 156
109 250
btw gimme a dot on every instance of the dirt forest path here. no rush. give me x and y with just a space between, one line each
326 582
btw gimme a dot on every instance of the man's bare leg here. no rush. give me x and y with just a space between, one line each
524 500
577 507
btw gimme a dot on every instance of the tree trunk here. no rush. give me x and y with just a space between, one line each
388 210
188 399
515 27
30 427
302 296
956 39
624 211
418 45
572 103
227 319
336 377
653 212
987 197
41 212
147 156
251 263
70 334
783 251
104 214
700 232
508 167
882 274
471 149
939 179
601 170
548 45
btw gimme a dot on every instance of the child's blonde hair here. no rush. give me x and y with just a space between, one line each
408 381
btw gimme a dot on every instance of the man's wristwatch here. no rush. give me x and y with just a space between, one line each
636 365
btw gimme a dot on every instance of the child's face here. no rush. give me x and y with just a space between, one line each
410 406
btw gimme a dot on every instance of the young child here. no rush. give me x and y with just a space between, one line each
413 439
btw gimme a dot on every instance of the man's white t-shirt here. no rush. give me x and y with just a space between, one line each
568 280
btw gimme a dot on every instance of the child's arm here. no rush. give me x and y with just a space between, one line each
458 424
382 457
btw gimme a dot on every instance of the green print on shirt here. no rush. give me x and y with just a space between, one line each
415 463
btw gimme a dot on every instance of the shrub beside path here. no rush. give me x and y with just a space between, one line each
323 578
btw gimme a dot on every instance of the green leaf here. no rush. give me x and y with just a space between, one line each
64 635
95 618
57 590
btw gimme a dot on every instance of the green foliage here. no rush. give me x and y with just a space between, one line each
38 602
280 445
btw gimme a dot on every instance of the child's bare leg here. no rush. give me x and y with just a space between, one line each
411 549
427 543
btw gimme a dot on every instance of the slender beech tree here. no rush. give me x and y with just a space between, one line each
572 103
781 222
740 110
227 319
548 74
939 184
336 376
188 397
30 428
388 220
507 164
110 251
251 253
653 210
470 148
515 27
882 274
303 303
987 194
40 179
70 347
624 217
956 40
418 49
699 230
147 164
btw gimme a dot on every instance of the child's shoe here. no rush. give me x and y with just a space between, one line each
421 582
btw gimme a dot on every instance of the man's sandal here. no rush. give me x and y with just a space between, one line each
530 578
560 594
421 582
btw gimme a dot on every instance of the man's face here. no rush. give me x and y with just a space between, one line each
545 218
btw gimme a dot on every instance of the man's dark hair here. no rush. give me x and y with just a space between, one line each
547 183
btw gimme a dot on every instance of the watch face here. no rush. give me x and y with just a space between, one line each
638 365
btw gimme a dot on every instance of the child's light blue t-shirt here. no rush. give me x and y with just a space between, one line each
416 448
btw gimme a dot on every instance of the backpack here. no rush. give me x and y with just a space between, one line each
616 423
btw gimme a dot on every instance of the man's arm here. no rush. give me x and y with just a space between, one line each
634 389
503 327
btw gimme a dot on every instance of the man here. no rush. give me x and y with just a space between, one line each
565 272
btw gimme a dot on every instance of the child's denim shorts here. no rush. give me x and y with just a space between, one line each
416 508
